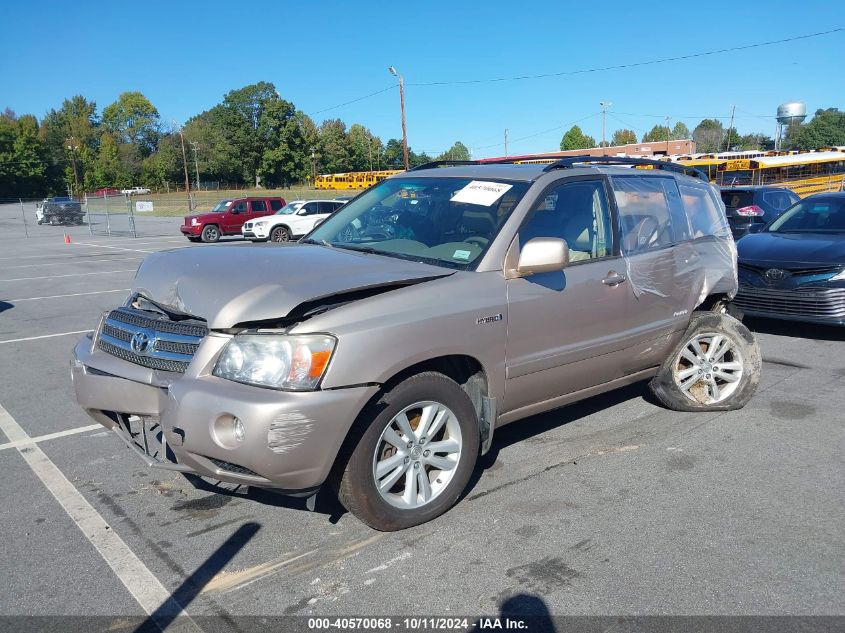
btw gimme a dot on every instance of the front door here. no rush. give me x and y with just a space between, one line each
564 327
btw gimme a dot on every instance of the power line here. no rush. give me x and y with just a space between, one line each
346 103
553 129
632 64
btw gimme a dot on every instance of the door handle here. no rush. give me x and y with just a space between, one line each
613 279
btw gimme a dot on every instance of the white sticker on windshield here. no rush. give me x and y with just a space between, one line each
461 255
481 192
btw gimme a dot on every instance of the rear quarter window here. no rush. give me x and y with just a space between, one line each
703 210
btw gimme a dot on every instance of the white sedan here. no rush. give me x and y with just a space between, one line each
290 222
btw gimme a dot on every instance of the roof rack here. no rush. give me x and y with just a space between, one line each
443 163
571 161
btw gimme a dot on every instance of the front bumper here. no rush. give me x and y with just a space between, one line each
191 229
808 304
291 439
256 231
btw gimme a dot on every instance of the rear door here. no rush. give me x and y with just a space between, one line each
257 209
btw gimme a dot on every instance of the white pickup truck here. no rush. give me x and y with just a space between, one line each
135 191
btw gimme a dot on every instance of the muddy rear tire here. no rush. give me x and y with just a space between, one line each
715 367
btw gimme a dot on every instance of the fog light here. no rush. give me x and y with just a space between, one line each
238 430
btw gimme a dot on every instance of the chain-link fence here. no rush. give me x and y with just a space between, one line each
121 215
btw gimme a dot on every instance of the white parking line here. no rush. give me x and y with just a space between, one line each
116 248
79 261
100 272
75 294
35 338
50 436
134 575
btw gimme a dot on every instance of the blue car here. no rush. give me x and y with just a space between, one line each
794 267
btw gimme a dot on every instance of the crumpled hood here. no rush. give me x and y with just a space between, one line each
798 248
227 285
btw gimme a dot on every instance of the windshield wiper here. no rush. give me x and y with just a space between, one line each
318 242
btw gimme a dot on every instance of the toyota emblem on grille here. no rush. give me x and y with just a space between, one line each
140 343
775 274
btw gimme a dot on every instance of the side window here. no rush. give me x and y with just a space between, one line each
275 205
650 214
779 200
327 207
257 205
576 212
704 212
240 207
309 208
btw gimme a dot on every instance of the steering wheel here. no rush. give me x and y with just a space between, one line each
645 231
475 239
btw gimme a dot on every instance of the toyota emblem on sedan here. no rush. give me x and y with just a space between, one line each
775 274
140 343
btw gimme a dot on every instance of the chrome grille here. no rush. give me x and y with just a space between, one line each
825 303
159 343
794 272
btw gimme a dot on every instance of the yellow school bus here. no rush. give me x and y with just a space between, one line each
805 173
353 180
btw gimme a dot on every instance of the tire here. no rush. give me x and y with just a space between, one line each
686 380
210 233
426 394
194 239
280 234
53 221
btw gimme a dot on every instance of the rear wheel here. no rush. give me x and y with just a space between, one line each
210 233
716 367
280 234
418 447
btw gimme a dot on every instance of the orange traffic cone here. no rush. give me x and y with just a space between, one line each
67 238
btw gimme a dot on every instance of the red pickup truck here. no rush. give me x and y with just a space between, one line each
227 217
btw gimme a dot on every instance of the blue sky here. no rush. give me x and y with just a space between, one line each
184 56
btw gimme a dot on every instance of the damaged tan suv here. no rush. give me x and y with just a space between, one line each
380 353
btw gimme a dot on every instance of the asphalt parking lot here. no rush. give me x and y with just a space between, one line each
611 506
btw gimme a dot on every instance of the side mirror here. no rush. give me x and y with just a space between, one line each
302 211
543 255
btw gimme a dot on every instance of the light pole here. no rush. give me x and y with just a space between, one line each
394 72
195 146
185 167
604 106
72 144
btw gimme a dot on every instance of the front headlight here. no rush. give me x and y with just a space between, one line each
194 221
277 361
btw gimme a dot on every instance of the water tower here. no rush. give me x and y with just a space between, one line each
789 113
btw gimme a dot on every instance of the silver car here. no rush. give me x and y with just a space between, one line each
380 354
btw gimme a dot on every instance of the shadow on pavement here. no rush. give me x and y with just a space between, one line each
193 584
795 329
5 305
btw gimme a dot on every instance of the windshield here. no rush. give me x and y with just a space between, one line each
812 216
443 221
293 207
222 206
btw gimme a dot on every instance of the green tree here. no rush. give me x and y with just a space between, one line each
679 131
656 134
362 148
458 151
392 155
574 138
334 153
133 120
708 135
623 137
755 140
74 124
825 129
109 170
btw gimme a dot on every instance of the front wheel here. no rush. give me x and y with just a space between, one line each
210 233
280 234
417 450
716 367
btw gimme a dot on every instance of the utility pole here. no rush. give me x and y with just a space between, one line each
730 128
395 73
668 133
604 106
506 142
313 165
194 146
185 167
